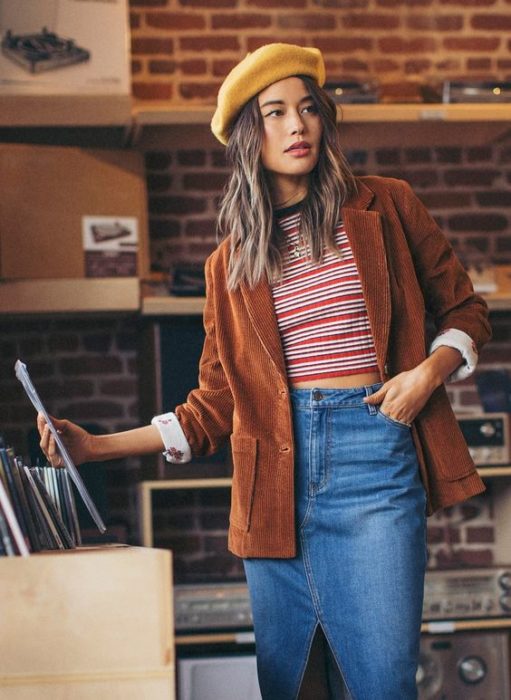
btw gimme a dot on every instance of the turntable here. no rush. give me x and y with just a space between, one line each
42 51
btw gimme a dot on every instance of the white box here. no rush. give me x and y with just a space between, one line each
97 61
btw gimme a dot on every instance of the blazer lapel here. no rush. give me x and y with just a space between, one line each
261 310
365 233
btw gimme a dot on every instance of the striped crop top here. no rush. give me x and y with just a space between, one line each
320 308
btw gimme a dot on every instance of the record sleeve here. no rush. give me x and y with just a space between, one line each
23 376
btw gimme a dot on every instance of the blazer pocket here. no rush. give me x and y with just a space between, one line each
244 458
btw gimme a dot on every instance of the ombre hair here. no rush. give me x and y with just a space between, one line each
246 213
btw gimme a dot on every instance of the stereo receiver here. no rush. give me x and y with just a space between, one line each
467 593
487 436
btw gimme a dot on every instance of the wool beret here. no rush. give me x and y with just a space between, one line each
257 71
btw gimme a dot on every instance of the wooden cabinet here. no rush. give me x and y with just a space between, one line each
87 624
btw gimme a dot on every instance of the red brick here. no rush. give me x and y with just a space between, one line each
191 157
479 64
162 67
354 65
437 534
221 68
448 154
158 160
503 244
86 364
371 21
435 23
480 534
266 4
158 183
175 21
152 45
471 177
204 181
134 20
493 354
241 20
160 229
94 410
254 42
209 3
469 3
343 44
478 222
417 65
467 557
495 198
148 3
136 67
385 65
176 205
343 4
471 43
209 43
152 91
446 200
201 228
493 22
410 3
118 387
306 20
207 91
397 44
65 342
193 67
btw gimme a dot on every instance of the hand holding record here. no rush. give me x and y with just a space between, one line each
75 439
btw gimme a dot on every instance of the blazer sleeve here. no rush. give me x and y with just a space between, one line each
448 291
206 416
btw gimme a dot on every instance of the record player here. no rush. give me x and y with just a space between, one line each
42 51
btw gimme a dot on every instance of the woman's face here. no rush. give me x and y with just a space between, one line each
292 131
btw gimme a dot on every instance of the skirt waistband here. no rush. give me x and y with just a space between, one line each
328 398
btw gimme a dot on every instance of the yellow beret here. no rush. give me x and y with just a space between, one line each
257 71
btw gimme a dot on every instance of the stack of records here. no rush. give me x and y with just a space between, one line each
37 507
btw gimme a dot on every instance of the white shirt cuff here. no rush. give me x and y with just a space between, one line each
177 449
462 342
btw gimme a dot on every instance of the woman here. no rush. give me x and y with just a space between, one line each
316 366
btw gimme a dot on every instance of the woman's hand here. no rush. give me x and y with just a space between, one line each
77 441
405 395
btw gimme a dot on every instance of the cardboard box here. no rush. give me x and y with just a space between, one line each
87 624
56 47
72 213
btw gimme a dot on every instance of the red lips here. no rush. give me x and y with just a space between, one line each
298 146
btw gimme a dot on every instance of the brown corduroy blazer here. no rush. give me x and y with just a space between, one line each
407 268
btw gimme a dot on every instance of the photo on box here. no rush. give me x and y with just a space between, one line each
110 246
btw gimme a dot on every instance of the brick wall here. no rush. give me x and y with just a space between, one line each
182 48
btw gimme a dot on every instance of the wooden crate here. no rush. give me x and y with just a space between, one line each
87 624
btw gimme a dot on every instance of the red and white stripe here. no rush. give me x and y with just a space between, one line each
321 311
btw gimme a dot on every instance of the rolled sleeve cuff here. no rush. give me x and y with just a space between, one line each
177 449
462 342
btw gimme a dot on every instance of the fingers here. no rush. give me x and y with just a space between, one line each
48 445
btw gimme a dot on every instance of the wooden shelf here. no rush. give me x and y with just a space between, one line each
160 114
495 472
44 296
65 110
431 627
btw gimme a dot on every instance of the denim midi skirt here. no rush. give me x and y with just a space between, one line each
359 570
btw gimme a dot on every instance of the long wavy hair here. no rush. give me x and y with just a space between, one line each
246 212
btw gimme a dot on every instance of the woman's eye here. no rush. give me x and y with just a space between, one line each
274 113
311 109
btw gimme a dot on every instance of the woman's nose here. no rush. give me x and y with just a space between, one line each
296 124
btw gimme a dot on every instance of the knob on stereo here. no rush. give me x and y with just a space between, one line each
472 669
505 580
487 429
505 602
